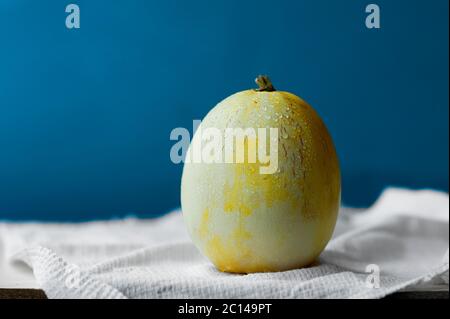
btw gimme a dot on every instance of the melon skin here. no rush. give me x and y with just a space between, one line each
246 222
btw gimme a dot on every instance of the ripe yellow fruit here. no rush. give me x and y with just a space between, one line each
245 221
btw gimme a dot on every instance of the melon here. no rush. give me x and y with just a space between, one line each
245 219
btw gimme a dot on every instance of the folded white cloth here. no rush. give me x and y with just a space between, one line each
399 243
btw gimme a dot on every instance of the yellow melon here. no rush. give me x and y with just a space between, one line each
244 220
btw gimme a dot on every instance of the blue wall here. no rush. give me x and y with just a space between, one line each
85 115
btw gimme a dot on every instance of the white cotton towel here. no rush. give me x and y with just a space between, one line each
399 243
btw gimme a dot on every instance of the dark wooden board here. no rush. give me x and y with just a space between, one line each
39 294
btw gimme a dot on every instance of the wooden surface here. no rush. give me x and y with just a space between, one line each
39 294
22 294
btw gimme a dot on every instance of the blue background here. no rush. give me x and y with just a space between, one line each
85 115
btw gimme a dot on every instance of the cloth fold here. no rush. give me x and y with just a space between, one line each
400 243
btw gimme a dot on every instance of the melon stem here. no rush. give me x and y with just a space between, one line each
264 84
